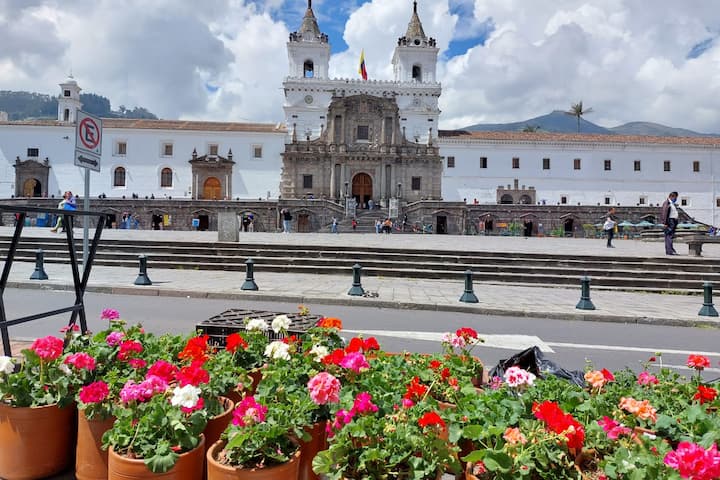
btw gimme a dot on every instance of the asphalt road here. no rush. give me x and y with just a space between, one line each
571 344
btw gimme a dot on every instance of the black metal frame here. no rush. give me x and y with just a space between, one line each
80 283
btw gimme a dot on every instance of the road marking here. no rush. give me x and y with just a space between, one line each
506 342
686 368
632 349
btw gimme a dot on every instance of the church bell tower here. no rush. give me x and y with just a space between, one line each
69 101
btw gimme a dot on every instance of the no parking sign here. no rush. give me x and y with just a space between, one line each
88 141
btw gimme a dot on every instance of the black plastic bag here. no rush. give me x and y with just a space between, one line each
535 362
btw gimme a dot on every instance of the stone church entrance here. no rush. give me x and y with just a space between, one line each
362 189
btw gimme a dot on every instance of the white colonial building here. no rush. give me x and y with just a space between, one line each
382 134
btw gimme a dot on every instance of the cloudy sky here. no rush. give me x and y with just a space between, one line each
500 60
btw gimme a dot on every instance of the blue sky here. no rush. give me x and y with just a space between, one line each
499 61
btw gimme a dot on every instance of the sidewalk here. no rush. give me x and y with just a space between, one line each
400 293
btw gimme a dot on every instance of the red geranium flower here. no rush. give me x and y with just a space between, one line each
235 341
431 419
698 362
466 333
330 322
435 364
334 358
196 349
609 377
415 390
193 375
48 348
128 348
355 345
164 370
371 344
560 422
705 394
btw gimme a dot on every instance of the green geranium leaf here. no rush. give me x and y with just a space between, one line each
498 462
162 461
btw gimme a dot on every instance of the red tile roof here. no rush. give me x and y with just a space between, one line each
530 137
169 125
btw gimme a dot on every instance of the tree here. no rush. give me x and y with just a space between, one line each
576 110
531 128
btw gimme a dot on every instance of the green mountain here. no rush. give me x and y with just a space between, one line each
560 122
26 105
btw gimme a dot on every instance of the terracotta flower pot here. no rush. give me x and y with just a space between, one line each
217 424
91 461
188 467
237 395
217 471
308 450
37 442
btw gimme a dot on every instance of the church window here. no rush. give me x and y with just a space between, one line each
642 201
546 164
608 165
666 165
684 202
257 151
577 163
417 73
167 150
563 200
637 166
120 148
696 166
308 69
119 177
363 132
337 128
213 149
450 162
607 200
66 93
33 152
483 162
415 184
307 181
717 202
66 115
516 162
166 178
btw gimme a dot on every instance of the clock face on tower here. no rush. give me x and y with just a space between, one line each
308 99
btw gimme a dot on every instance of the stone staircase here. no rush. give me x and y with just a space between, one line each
671 274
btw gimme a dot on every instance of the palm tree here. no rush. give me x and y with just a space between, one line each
576 110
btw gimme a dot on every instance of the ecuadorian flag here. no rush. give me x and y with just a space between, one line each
362 70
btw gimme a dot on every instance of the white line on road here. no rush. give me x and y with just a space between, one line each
631 349
506 342
686 368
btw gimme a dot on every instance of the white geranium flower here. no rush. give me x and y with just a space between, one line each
281 322
65 369
256 324
320 352
278 350
6 365
186 396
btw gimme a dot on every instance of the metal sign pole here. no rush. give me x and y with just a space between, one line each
86 218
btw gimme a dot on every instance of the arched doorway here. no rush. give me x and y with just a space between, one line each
32 188
362 189
212 189
506 199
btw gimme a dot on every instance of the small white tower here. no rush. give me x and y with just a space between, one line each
415 58
69 101
308 49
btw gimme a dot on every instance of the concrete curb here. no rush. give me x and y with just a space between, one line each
372 302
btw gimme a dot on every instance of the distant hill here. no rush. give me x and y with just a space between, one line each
26 105
560 122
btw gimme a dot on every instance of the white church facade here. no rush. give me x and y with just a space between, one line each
370 139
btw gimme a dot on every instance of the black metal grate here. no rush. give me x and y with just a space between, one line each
233 320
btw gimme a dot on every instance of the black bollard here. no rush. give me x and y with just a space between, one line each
708 309
39 273
585 303
469 295
357 289
142 278
249 278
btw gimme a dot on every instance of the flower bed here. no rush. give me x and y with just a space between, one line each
387 415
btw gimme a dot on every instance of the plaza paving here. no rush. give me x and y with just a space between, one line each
406 293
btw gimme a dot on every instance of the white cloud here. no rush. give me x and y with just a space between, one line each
626 59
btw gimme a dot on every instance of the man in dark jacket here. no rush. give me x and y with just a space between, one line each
669 219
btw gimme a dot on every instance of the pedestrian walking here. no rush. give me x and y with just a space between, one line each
67 203
404 222
609 226
334 225
669 219
354 224
378 226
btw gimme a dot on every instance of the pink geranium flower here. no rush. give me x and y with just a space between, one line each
355 361
96 392
109 314
641 409
693 461
517 377
114 338
249 412
612 428
80 361
647 378
363 404
128 349
47 348
164 370
324 388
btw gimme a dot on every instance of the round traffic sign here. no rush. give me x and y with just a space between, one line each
89 133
